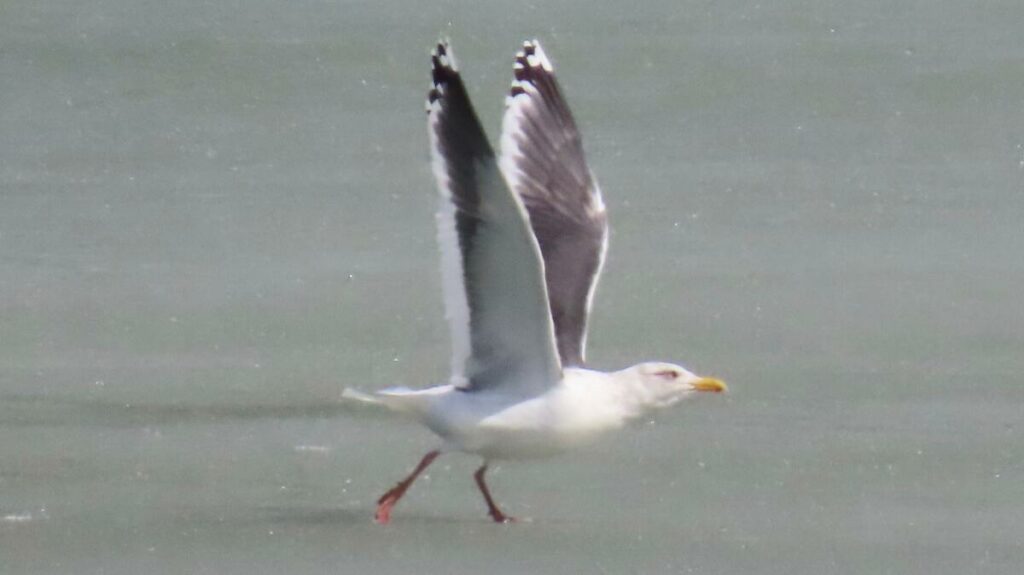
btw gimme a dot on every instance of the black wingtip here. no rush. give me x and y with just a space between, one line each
442 70
532 57
531 66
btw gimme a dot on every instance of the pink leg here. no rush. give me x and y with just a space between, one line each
389 499
496 513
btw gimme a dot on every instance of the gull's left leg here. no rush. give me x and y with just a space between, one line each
388 500
496 513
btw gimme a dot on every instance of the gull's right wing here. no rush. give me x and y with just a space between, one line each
495 295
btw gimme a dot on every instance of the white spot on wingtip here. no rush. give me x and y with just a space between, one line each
447 59
433 107
527 88
538 58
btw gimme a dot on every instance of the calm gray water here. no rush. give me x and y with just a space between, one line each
214 216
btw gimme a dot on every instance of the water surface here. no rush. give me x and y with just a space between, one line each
216 216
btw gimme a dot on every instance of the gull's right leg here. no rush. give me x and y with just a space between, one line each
389 499
492 508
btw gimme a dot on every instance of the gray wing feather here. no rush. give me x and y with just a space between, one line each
495 294
544 164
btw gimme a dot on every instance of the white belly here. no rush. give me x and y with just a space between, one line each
566 417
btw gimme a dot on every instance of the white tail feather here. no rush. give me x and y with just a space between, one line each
356 395
401 399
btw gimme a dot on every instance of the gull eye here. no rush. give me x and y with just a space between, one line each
667 374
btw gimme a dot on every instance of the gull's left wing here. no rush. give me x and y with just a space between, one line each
542 159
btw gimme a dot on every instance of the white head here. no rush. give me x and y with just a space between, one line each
657 384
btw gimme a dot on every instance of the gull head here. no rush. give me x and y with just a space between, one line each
659 384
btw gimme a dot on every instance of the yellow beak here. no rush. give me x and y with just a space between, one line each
710 384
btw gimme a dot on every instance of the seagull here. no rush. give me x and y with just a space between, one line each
523 238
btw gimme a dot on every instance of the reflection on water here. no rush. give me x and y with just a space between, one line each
35 410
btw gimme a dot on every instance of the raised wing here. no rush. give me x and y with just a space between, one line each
497 306
542 159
